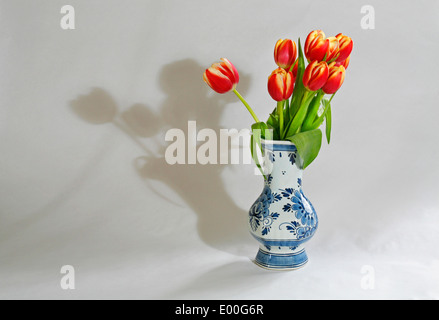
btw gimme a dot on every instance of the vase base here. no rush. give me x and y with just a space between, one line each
281 261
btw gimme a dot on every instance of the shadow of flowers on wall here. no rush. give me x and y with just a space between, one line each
221 223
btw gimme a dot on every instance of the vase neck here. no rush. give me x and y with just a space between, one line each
282 164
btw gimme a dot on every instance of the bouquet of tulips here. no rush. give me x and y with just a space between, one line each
298 89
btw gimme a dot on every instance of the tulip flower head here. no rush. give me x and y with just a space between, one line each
285 52
280 84
345 46
335 78
315 75
222 77
332 52
316 46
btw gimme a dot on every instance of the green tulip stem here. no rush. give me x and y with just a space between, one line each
280 113
246 105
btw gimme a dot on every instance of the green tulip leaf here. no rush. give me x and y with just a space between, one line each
318 122
297 120
328 118
299 88
259 129
273 123
308 145
308 123
300 116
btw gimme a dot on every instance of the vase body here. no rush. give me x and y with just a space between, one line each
282 219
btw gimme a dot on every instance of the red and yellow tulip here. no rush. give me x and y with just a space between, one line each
285 52
315 75
222 77
345 46
316 46
332 52
280 84
335 78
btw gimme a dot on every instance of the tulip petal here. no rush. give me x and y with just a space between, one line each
231 69
333 48
345 47
289 85
217 80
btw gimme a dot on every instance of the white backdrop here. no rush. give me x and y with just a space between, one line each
84 112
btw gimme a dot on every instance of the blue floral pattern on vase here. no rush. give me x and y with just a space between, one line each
260 212
301 206
292 157
301 232
306 223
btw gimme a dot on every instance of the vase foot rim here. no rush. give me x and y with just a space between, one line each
279 268
281 261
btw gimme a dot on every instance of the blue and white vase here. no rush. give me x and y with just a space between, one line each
282 219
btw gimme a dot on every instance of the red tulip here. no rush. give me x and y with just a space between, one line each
315 75
316 46
345 63
345 46
285 52
335 78
222 77
280 84
332 49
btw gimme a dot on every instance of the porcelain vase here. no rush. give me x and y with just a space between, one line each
282 219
